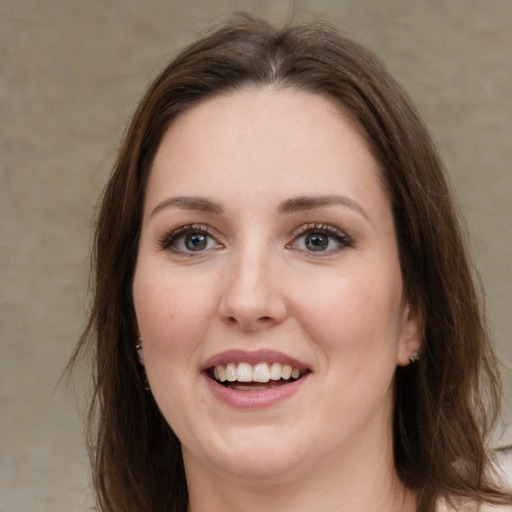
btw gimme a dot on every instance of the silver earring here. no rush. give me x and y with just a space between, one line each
416 356
138 347
140 353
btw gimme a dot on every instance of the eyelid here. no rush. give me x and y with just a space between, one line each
165 242
318 226
341 236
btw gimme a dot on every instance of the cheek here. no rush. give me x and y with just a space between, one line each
173 316
356 319
172 313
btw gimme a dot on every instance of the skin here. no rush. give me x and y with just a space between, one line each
257 285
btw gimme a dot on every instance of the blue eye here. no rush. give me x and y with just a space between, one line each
320 238
189 239
195 241
316 241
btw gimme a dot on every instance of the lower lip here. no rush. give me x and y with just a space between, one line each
254 399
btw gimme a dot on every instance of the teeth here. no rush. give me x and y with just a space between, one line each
286 371
275 371
244 372
261 372
231 372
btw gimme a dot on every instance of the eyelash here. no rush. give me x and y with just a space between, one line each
330 232
167 242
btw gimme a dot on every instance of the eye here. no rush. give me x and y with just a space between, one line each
190 239
316 241
319 238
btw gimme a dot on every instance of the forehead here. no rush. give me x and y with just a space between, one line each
259 129
269 107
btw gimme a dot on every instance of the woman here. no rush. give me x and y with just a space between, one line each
284 313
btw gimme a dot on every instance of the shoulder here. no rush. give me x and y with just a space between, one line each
503 470
495 508
468 507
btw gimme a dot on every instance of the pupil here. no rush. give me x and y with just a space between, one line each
317 242
195 241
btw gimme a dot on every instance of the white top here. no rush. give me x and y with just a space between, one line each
504 469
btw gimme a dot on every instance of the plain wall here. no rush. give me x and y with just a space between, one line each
71 75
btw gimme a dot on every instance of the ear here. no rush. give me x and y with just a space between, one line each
410 339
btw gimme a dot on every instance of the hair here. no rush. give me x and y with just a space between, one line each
444 405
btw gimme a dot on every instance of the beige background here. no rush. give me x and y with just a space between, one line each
71 74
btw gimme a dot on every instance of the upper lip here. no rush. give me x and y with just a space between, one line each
252 357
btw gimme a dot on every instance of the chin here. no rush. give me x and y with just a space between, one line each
258 456
260 468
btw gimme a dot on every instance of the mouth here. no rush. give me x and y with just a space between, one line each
244 376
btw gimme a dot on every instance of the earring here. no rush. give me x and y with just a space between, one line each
416 356
140 353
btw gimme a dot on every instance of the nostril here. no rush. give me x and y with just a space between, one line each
256 324
249 319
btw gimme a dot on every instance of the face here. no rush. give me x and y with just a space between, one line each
268 291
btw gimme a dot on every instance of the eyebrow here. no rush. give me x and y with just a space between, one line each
292 205
201 204
304 203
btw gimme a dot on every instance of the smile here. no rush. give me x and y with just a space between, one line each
244 376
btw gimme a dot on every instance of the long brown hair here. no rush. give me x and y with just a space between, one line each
444 404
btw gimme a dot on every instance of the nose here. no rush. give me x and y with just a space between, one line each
252 299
